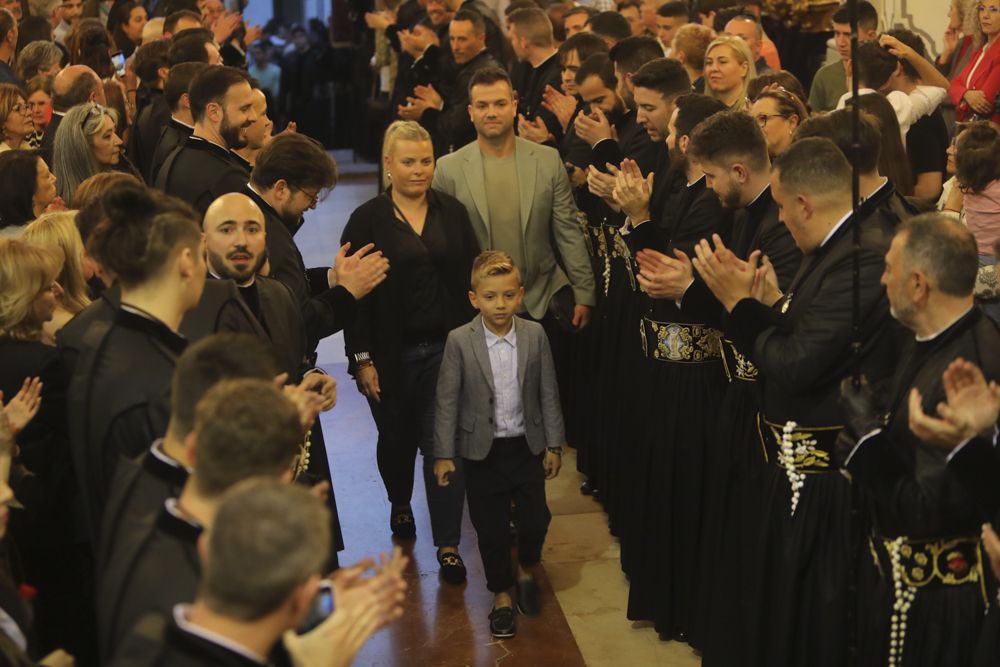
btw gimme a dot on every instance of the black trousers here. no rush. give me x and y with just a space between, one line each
509 472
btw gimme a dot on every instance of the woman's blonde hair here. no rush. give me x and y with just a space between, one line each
742 51
26 270
57 233
406 130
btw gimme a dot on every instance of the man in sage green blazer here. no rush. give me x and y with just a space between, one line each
534 225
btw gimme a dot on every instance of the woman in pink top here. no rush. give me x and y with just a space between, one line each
974 91
977 163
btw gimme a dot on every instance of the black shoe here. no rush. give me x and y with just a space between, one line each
452 567
527 597
402 524
588 488
502 623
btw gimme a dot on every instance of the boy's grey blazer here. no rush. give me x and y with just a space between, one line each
548 219
463 420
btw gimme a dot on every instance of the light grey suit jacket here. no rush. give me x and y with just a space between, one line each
463 420
548 213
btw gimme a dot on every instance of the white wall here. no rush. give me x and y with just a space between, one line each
927 18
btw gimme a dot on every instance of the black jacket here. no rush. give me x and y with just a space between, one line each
172 135
149 124
49 137
633 142
530 82
375 329
200 172
451 127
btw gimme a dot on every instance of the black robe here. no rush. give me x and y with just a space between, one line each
199 172
147 573
808 559
681 378
529 83
174 134
451 128
913 493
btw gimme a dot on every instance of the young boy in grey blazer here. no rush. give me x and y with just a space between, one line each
498 409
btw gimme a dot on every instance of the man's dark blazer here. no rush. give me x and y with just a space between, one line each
172 135
283 326
149 123
49 137
199 172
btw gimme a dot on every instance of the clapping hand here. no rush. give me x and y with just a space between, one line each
533 130
561 105
730 278
308 403
664 277
324 386
361 272
602 184
632 192
593 127
23 407
765 283
971 408
423 98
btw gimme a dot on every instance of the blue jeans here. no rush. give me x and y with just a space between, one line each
405 420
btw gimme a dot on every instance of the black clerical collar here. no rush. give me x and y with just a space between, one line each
696 182
263 203
249 283
161 466
836 228
176 122
174 523
141 320
760 203
245 163
195 140
952 325
544 62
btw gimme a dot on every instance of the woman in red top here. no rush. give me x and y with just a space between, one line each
974 91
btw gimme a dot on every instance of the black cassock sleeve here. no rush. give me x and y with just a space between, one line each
977 467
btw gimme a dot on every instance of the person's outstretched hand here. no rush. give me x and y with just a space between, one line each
361 272
23 407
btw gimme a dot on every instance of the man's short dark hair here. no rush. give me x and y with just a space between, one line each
246 428
79 92
674 10
836 126
189 46
874 65
179 82
579 9
814 166
585 44
473 17
149 58
487 76
867 15
611 26
597 65
532 24
171 21
945 249
727 138
300 161
7 23
692 109
211 85
632 53
664 75
912 40
221 356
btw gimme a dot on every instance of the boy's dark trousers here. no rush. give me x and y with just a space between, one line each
509 472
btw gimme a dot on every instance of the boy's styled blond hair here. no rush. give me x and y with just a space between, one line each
493 263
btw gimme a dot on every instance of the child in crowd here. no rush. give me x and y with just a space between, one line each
498 409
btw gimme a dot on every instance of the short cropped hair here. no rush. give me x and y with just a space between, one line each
532 24
912 40
493 263
487 76
221 356
727 138
867 15
585 44
189 46
473 17
267 539
632 53
664 75
945 249
211 85
814 166
694 108
874 65
610 25
597 65
674 9
836 126
178 82
245 428
300 161
149 59
692 40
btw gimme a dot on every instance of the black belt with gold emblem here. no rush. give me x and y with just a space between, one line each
679 343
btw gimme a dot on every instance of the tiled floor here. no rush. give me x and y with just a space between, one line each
584 593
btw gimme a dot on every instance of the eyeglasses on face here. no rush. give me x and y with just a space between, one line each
762 118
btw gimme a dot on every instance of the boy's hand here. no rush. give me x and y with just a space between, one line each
552 463
443 468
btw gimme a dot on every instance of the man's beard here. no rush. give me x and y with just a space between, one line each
232 134
731 198
904 313
223 270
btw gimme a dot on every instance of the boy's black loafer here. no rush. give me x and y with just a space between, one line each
502 622
527 597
